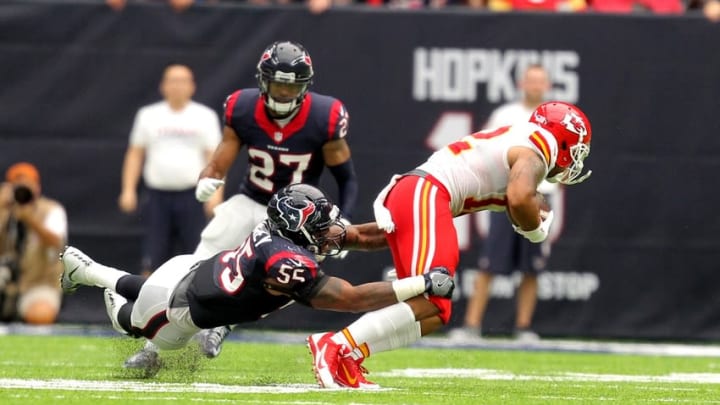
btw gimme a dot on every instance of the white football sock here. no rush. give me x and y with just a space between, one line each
377 331
104 276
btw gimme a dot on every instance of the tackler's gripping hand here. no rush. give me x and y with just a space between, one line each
439 282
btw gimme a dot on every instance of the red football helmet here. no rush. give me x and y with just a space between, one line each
571 129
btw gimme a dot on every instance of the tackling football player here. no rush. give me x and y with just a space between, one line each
273 267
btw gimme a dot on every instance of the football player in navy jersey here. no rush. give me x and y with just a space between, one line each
290 134
274 266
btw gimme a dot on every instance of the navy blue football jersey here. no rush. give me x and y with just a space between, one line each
291 154
231 287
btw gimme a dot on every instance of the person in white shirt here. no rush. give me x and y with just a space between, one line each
504 251
170 143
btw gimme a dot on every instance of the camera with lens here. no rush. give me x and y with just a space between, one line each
23 194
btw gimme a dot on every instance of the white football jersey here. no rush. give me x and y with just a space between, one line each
475 169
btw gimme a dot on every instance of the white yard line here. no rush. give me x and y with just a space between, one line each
475 373
136 386
87 385
433 341
156 398
494 375
566 399
582 346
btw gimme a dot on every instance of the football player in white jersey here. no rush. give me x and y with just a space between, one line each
499 170
503 250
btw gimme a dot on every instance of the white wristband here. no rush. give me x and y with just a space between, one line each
536 235
541 232
409 287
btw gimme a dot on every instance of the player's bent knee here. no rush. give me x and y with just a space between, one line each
443 307
423 307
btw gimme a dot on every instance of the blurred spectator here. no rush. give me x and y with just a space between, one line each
710 8
319 6
505 250
630 6
177 5
171 142
33 232
537 5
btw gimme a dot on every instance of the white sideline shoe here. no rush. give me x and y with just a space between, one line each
526 336
464 335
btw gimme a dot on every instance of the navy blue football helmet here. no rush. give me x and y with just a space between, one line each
305 215
289 63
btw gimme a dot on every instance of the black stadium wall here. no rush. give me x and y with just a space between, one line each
638 251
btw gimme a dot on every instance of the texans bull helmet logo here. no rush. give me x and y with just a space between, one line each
295 216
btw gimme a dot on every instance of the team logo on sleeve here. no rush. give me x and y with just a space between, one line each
293 216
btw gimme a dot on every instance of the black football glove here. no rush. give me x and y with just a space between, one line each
439 282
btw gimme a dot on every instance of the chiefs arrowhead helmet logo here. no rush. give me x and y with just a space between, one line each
574 124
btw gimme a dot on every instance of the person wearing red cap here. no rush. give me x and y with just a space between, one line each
33 230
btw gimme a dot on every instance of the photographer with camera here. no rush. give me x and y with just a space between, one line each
33 230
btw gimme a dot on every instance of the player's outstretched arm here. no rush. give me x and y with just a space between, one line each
339 295
365 236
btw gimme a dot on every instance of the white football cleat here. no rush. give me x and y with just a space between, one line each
211 340
75 269
147 360
113 303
